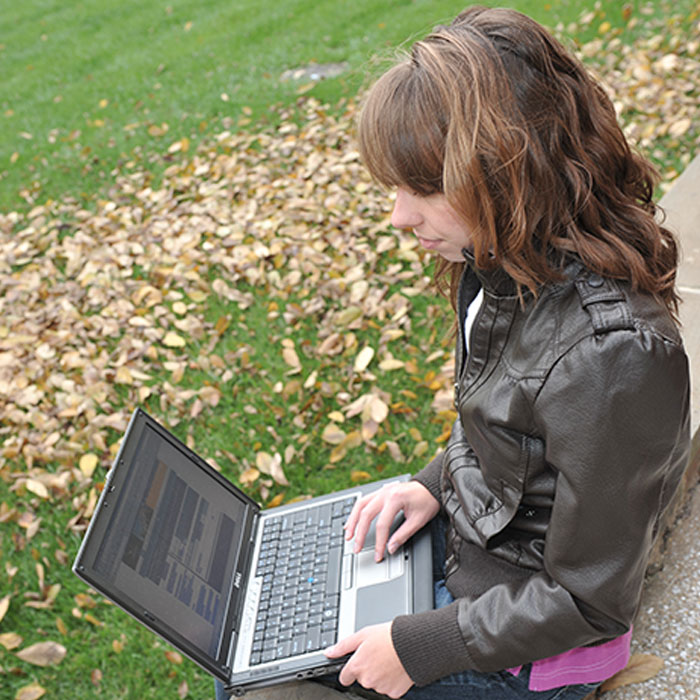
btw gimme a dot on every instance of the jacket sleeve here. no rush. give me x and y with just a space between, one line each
429 476
614 415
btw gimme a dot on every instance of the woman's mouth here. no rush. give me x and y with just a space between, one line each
429 243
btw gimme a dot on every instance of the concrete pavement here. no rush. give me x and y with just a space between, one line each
668 625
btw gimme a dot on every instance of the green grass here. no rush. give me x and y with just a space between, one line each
88 633
261 382
95 85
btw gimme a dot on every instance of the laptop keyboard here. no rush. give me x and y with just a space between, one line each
300 564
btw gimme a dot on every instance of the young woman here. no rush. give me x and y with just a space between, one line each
572 386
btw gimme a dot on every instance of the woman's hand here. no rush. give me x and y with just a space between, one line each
418 506
374 663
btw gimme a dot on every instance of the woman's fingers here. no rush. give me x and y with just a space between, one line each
361 517
416 502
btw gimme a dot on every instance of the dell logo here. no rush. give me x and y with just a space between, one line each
237 580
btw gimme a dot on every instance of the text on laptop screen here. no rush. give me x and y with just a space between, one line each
176 554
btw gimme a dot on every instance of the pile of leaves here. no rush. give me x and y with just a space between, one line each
260 282
101 309
654 82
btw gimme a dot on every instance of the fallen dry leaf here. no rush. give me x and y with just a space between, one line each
88 463
10 640
358 475
249 476
640 668
4 605
289 355
85 601
96 677
89 617
173 657
275 501
272 466
33 691
61 626
332 434
363 359
173 340
376 410
43 653
37 488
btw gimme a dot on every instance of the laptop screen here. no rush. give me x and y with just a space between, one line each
170 540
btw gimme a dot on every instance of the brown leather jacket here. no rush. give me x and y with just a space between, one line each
572 436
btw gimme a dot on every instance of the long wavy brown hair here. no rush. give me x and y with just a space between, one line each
496 114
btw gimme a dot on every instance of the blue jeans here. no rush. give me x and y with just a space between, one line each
467 685
473 685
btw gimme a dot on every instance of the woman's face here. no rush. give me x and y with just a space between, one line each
435 223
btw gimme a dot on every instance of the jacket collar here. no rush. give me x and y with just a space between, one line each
496 282
499 283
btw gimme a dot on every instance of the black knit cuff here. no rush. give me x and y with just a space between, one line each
429 476
430 644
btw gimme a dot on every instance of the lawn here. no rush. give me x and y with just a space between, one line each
99 84
184 231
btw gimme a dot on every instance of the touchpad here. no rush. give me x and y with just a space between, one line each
381 603
370 572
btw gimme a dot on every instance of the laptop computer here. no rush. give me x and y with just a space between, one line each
253 596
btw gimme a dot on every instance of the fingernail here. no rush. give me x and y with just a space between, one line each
392 547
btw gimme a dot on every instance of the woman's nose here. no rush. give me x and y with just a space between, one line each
405 214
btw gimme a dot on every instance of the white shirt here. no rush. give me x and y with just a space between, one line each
472 311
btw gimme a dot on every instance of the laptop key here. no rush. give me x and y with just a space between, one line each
312 517
297 645
338 509
327 639
283 650
324 515
300 621
313 639
276 605
334 569
268 655
286 621
329 625
301 606
285 635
